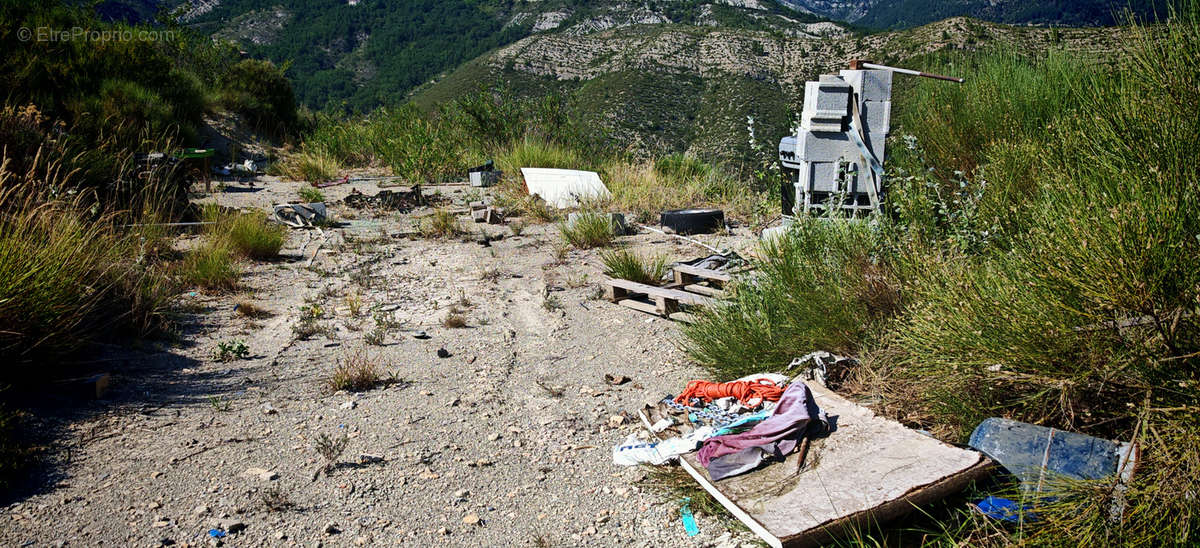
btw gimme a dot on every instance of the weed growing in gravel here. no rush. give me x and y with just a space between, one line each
231 350
635 267
309 324
356 372
354 302
516 228
331 448
441 224
275 499
221 404
311 194
490 274
454 321
590 229
375 337
552 303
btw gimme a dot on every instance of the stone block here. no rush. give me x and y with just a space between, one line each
870 85
876 116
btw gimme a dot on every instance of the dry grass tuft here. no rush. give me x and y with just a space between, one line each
357 372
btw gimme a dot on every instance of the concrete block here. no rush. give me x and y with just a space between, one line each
822 147
870 85
827 99
822 176
876 116
484 178
877 142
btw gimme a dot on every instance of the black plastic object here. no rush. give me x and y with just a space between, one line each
694 221
489 166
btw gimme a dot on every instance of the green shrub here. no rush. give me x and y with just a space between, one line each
590 229
817 287
259 91
635 267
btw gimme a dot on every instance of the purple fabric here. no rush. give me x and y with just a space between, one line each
777 434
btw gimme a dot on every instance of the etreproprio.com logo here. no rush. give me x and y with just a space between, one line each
82 34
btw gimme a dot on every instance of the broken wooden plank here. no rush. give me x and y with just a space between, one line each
655 292
687 274
867 470
704 290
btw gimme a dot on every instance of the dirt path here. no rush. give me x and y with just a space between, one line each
505 442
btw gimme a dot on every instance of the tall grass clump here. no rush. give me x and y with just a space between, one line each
589 229
251 235
212 266
817 287
311 166
636 267
68 277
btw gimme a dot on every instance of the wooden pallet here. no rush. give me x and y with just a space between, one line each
710 283
660 301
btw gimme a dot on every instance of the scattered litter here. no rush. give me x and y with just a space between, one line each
418 334
827 368
484 213
693 221
301 215
485 175
216 533
1002 509
689 521
387 199
800 469
615 220
563 188
1038 456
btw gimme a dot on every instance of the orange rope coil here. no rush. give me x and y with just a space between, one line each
748 393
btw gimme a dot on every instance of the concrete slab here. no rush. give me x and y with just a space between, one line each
869 469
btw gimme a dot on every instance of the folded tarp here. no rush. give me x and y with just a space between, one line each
868 469
564 188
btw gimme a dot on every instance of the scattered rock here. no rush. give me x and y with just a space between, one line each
201 510
471 519
349 405
269 409
461 493
615 421
443 353
331 528
260 473
615 380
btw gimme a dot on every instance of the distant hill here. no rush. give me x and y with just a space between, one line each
364 53
694 88
900 14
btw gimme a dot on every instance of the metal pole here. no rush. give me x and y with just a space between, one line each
857 64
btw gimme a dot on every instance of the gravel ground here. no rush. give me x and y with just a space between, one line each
506 441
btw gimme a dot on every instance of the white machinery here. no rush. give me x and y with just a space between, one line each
839 149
